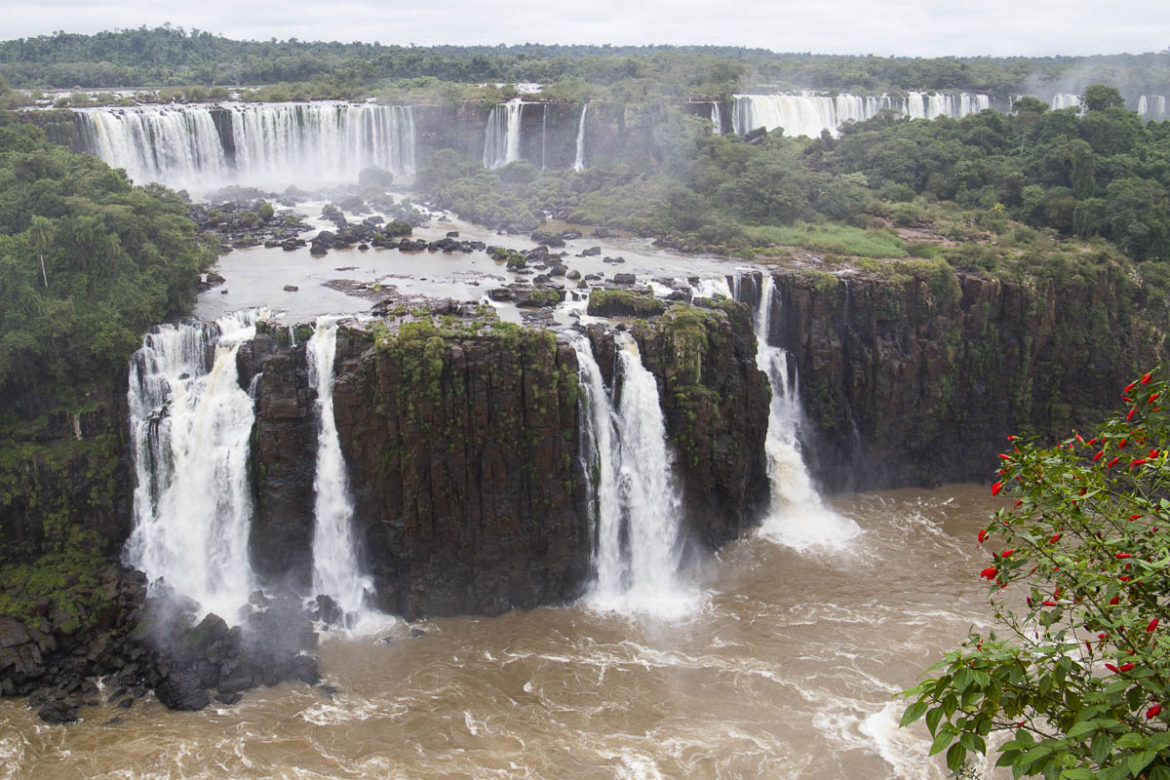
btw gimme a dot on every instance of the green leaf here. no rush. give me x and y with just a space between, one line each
956 757
1139 761
913 713
1130 741
932 719
1081 729
1078 774
1101 748
941 740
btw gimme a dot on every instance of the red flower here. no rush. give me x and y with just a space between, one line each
1125 667
1007 553
988 573
1115 600
1098 455
982 535
1153 397
998 486
1139 462
1129 416
1111 668
1054 539
1153 453
1049 603
1134 517
1129 387
1152 711
1152 627
1112 463
1122 555
1146 377
1121 444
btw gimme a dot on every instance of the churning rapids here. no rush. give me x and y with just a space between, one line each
786 671
779 657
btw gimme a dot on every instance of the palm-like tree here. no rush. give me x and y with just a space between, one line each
40 235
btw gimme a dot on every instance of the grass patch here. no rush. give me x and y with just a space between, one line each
829 238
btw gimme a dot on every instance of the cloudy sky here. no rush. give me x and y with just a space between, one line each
882 27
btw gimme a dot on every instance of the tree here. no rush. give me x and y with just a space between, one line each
1099 97
1081 678
40 235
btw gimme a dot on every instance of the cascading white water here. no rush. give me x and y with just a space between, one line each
638 505
1152 107
190 424
810 114
717 117
501 141
1065 100
336 571
579 162
203 146
797 518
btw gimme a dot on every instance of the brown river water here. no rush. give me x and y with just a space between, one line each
787 670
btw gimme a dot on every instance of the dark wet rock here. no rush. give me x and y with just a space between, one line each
328 610
182 690
593 251
291 288
58 711
547 239
625 279
571 235
415 633
573 275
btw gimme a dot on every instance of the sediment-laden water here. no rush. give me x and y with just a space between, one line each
787 669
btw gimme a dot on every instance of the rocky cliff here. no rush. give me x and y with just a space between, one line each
915 377
462 452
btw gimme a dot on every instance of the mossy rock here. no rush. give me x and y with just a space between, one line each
624 303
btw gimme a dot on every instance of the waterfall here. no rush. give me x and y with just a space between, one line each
717 117
636 501
190 423
810 114
501 142
797 518
1065 100
579 162
202 146
336 571
1152 107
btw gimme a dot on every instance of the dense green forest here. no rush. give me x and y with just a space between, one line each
88 262
172 56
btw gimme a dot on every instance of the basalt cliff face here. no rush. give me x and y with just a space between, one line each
464 454
918 379
468 492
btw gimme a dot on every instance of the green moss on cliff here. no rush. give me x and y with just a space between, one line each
624 303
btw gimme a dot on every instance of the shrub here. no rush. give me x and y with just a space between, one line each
1079 677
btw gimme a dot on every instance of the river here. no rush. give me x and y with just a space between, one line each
787 670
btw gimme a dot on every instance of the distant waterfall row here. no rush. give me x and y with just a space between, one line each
810 114
208 146
191 424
